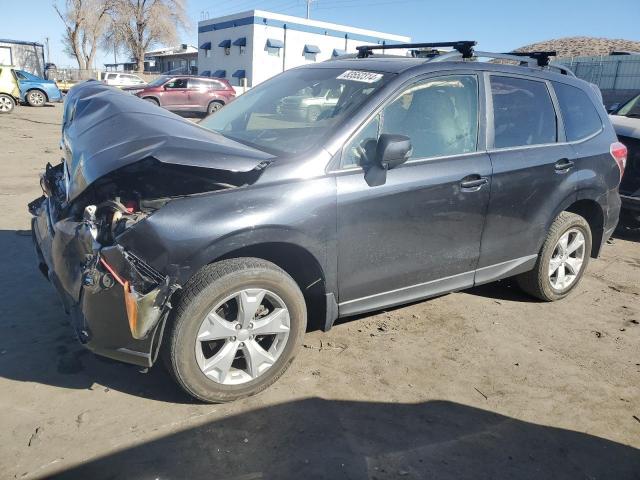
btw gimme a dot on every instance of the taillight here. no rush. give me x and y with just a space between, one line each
619 153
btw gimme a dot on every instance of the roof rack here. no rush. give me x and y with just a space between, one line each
464 47
540 56
533 59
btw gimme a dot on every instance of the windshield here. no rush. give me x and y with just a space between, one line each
631 108
158 81
294 111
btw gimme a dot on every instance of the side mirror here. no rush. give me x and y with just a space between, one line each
391 151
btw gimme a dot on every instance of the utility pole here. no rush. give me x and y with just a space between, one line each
309 8
48 57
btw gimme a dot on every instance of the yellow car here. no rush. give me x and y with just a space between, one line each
9 90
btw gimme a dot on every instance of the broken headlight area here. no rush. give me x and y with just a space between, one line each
79 239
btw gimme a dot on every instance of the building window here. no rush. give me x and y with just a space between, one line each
243 49
311 52
227 51
274 46
207 53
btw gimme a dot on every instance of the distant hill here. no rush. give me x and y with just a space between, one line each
583 46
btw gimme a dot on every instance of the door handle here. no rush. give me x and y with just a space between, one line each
563 165
473 182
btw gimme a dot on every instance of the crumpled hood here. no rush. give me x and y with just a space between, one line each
105 129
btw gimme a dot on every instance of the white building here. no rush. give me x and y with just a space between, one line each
256 45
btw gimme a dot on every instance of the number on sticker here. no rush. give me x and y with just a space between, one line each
360 76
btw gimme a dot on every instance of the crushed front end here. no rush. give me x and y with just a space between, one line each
123 160
117 301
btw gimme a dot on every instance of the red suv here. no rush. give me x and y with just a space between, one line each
194 94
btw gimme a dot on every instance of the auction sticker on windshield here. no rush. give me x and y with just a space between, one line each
359 76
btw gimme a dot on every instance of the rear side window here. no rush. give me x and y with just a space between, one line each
580 116
523 112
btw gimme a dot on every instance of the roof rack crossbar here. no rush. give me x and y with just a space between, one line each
540 56
465 47
526 59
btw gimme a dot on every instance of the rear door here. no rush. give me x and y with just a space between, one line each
533 172
199 93
176 94
419 233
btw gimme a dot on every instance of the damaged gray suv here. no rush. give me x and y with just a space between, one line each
213 247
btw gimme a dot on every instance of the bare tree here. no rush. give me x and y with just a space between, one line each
85 23
145 23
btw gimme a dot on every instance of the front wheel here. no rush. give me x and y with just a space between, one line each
6 103
235 329
562 260
36 98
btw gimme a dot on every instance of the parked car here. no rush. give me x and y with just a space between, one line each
189 93
9 89
215 245
310 105
626 121
37 91
120 80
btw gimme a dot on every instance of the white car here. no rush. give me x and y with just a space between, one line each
626 122
308 107
122 79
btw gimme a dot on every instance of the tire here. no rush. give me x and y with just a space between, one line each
6 103
36 98
152 100
184 352
542 282
214 107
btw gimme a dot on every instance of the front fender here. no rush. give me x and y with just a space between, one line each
188 233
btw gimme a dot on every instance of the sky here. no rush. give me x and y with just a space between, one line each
497 25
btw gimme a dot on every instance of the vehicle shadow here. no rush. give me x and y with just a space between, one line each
627 234
502 290
38 344
316 438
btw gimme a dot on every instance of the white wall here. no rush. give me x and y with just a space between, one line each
218 60
257 63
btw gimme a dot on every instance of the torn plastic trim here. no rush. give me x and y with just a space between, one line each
146 292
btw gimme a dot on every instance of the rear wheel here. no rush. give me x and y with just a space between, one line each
562 260
152 100
214 107
36 98
235 329
6 103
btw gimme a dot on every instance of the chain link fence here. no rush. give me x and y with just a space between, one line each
618 76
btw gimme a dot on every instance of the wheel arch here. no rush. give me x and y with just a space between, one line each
592 212
38 89
152 97
301 264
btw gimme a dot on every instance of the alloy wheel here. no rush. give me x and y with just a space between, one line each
567 259
5 104
242 336
36 98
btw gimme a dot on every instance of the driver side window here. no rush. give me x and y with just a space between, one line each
439 115
177 83
363 146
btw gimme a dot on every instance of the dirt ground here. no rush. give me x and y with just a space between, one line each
485 383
